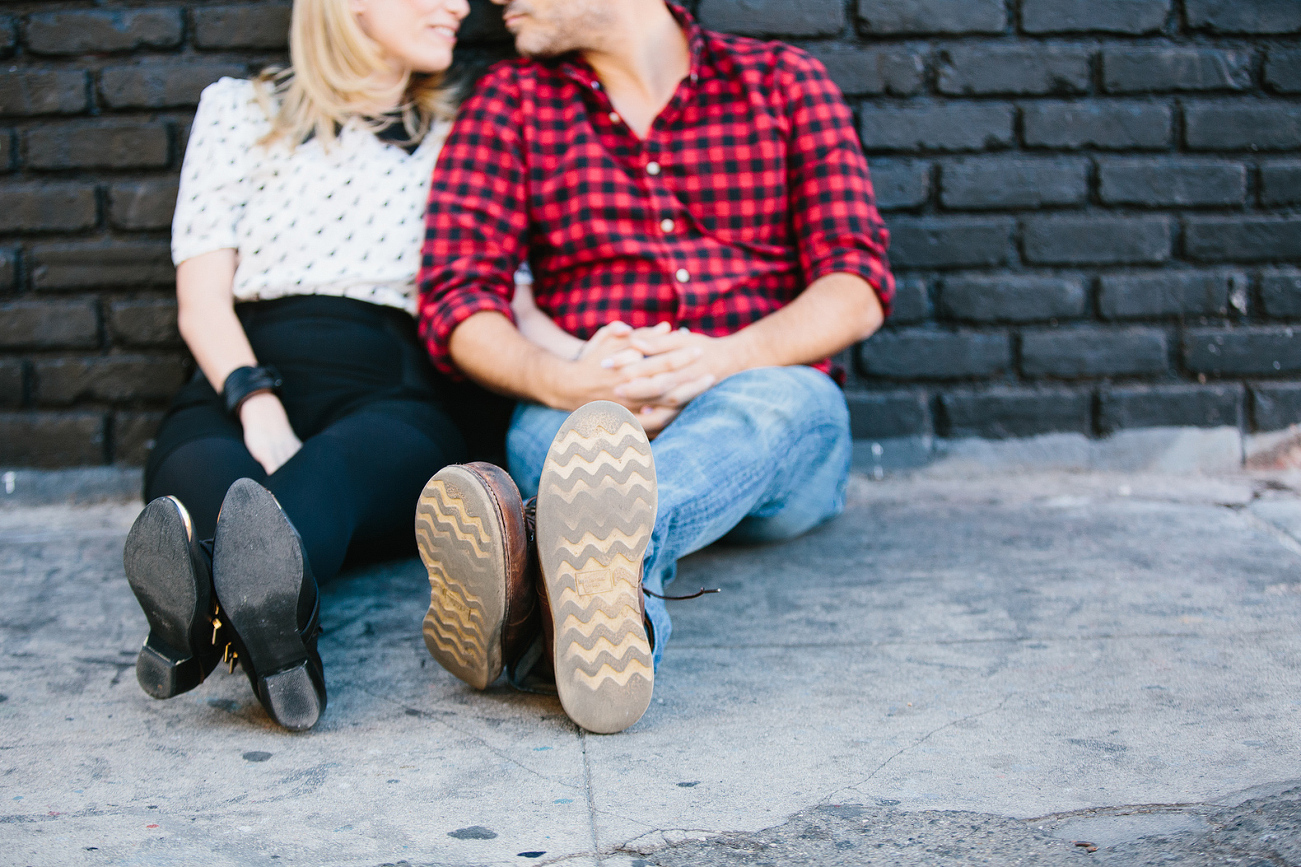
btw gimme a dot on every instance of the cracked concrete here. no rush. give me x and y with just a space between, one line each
962 669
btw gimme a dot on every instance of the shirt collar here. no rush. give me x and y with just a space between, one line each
578 69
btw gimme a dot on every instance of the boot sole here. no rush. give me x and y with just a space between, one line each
258 574
596 510
461 541
174 598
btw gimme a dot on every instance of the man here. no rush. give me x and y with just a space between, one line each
653 174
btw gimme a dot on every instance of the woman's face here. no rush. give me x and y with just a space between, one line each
417 35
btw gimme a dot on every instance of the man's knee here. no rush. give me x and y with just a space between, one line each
788 398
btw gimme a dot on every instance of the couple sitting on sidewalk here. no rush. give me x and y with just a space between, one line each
697 211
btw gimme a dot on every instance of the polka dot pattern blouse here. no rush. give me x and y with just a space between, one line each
345 221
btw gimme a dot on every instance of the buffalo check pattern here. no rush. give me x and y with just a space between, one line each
750 186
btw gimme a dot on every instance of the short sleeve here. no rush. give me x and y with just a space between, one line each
215 176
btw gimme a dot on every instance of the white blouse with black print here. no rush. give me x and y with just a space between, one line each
347 220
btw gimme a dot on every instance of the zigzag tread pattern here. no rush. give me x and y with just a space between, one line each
598 496
457 551
440 516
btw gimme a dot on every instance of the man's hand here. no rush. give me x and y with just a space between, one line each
267 433
677 367
621 348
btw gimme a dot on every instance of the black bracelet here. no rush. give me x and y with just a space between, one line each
244 382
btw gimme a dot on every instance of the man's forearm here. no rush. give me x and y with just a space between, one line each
832 314
489 349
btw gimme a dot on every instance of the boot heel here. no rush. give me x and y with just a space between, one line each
292 697
162 675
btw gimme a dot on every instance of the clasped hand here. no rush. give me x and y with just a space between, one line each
655 372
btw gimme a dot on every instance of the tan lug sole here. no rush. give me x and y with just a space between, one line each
596 510
458 532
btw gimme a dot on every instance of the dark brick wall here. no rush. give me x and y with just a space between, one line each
1096 207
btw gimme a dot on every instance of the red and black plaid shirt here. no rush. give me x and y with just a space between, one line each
750 186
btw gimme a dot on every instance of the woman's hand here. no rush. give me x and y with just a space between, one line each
267 433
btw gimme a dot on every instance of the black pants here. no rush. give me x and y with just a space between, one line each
375 419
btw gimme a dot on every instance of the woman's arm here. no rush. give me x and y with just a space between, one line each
206 316
539 328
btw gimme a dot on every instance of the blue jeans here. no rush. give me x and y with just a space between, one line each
761 457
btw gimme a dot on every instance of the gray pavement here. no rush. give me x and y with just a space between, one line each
963 669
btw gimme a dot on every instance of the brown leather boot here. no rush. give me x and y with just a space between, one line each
471 533
596 509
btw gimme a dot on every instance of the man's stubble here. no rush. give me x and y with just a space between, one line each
561 26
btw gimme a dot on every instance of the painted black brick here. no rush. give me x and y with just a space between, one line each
950 243
35 92
97 265
873 71
133 436
8 269
886 415
1005 412
1265 126
11 383
911 301
55 324
1171 183
1243 351
1104 124
248 26
1275 405
1245 16
987 183
162 85
1085 16
901 184
918 354
951 127
1167 294
144 322
47 207
79 32
8 35
1215 405
808 18
1280 183
6 151
1017 70
1012 298
108 145
142 204
1280 293
1098 240
898 17
1283 71
1073 353
51 439
1243 238
1166 69
65 381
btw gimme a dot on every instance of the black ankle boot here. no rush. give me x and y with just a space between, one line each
271 604
171 576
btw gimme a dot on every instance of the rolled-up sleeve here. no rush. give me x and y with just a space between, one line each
477 222
833 208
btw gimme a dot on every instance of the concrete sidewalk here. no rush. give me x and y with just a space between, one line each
960 670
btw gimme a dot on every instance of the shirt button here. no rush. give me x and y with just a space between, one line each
652 168
596 85
683 276
614 117
668 226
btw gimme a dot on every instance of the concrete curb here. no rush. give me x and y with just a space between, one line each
1161 450
78 486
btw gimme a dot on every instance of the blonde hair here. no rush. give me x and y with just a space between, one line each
335 72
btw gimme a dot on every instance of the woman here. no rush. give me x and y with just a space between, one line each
316 417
